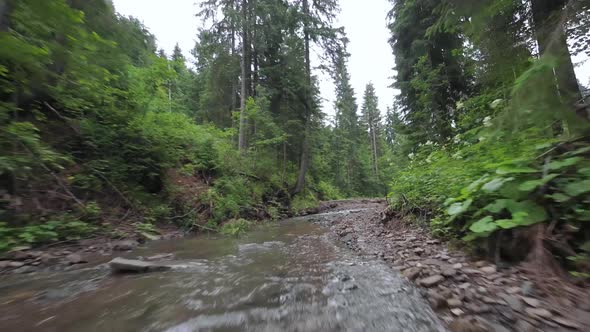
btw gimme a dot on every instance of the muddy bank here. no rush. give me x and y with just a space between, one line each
468 294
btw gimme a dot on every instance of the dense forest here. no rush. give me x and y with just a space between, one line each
486 142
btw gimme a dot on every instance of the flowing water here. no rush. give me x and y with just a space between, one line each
285 276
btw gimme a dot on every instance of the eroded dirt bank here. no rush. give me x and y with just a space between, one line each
467 293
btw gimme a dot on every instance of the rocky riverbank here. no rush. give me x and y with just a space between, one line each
77 253
468 294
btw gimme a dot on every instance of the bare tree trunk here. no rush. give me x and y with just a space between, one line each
552 41
245 87
304 162
374 148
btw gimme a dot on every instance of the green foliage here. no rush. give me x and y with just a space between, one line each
66 228
235 227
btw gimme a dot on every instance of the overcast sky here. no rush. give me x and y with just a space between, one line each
174 21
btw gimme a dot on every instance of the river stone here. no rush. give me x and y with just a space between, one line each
431 281
75 259
411 273
513 302
488 269
567 323
122 265
531 301
528 288
538 313
454 303
457 312
124 245
524 326
15 264
449 272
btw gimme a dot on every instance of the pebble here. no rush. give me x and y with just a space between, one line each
457 266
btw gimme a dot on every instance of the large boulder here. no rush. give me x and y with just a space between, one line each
122 265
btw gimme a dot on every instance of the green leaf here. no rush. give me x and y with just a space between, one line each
559 164
458 208
579 151
533 184
559 197
510 169
534 213
498 205
495 184
507 223
577 188
484 225
584 171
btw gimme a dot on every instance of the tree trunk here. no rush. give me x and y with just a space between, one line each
552 41
374 148
245 84
304 162
5 7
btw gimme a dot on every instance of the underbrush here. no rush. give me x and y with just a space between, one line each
511 196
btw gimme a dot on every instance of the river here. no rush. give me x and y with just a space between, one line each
290 275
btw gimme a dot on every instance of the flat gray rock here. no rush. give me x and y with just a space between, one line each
122 265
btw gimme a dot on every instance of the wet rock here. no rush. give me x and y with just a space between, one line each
431 281
124 245
75 259
531 301
513 302
122 265
538 313
454 303
411 273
